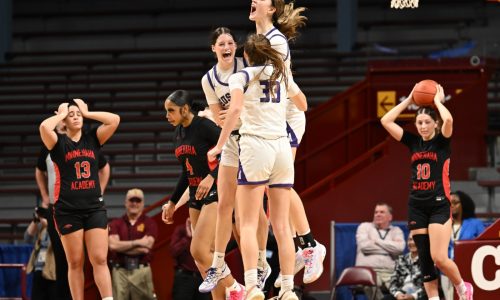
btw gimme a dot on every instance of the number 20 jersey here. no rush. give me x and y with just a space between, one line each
76 168
430 164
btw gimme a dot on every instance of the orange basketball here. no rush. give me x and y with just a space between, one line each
424 92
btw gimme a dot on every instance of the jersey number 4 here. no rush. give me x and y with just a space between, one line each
82 169
267 93
423 171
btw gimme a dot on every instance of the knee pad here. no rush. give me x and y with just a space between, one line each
424 257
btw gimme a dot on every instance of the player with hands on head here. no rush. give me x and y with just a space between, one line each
429 200
79 209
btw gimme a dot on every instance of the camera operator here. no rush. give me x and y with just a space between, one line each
41 261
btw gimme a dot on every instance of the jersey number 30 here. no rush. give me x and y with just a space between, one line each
267 93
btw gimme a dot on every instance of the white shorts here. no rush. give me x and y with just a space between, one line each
295 126
265 162
230 152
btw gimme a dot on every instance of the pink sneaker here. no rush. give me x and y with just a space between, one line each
469 292
236 295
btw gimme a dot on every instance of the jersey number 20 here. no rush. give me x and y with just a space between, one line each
267 93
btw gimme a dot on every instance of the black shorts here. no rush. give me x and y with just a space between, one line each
421 213
68 222
210 198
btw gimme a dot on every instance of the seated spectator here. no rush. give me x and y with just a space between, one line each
465 227
187 277
378 245
407 281
41 262
131 240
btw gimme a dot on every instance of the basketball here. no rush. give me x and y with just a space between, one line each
424 92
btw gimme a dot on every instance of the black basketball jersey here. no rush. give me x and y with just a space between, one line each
430 164
191 146
76 166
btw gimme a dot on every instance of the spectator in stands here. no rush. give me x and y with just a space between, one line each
187 278
41 262
407 281
131 240
45 178
378 245
465 227
79 209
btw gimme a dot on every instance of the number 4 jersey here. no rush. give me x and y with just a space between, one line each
76 167
430 163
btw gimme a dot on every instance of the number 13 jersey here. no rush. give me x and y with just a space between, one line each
76 167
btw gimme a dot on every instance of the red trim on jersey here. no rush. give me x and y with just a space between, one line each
57 183
446 179
55 222
212 164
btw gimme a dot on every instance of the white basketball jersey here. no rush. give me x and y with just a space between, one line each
279 43
264 113
215 83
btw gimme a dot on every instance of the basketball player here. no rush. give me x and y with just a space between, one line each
266 14
193 137
429 217
258 93
216 88
79 209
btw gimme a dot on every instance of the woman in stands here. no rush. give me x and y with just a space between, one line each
216 88
259 94
429 203
79 209
193 137
279 22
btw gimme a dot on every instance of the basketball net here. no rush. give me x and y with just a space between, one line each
404 4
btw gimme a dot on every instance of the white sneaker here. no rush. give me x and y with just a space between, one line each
299 265
313 261
263 275
255 294
213 277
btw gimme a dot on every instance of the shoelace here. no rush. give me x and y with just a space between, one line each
308 258
211 275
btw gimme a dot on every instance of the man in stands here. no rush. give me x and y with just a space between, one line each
378 246
131 240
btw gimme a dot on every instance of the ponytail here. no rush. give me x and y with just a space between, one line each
182 97
260 52
288 19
